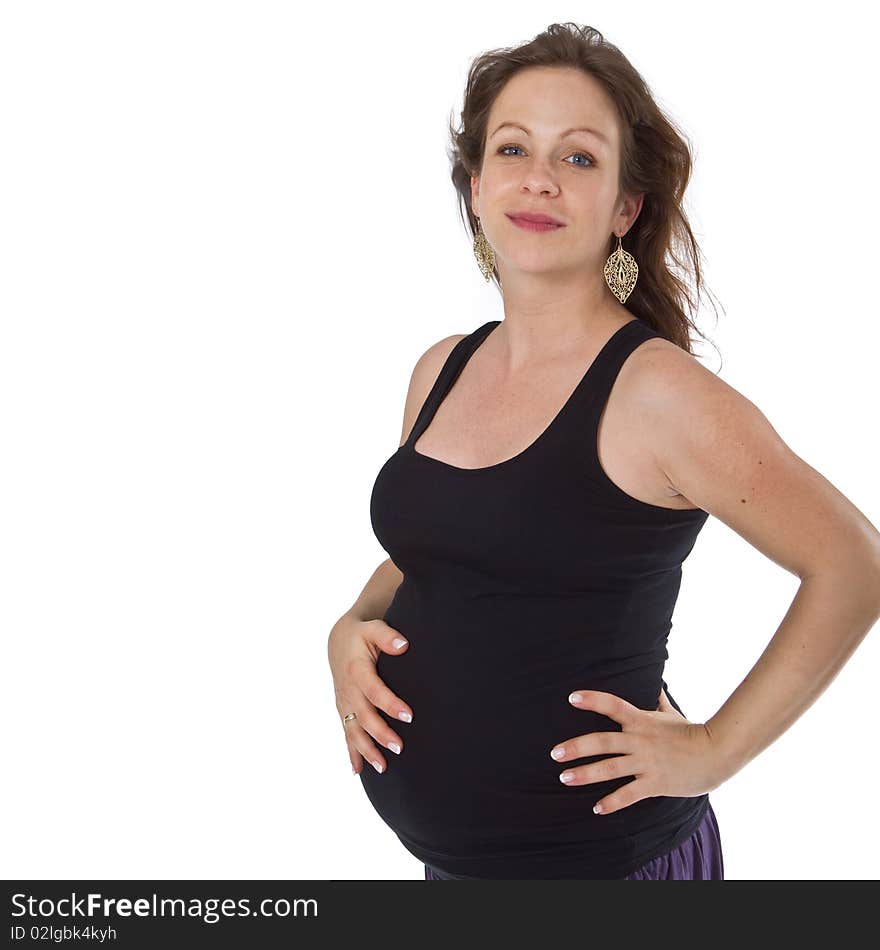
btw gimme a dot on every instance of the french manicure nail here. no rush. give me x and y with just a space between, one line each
405 716
398 642
378 767
394 747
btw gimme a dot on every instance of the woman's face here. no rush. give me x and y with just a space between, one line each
573 177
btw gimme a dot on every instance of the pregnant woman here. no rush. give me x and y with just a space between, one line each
554 471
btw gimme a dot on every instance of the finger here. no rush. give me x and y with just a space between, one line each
623 797
362 748
372 758
381 637
614 707
390 640
603 771
372 686
354 757
372 723
594 743
665 705
359 749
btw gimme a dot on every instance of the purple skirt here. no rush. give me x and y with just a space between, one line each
698 858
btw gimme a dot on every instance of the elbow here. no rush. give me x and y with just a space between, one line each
853 574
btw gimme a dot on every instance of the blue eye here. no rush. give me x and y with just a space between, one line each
583 155
504 149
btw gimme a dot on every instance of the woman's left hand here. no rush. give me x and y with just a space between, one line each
667 754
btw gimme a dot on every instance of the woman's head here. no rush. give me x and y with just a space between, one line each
627 177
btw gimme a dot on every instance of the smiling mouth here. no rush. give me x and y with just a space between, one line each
538 226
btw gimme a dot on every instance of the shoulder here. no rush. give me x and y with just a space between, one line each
719 450
424 375
670 387
429 364
699 428
658 370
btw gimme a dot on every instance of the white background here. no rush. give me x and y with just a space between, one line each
228 232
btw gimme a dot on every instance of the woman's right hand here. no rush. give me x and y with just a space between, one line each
353 648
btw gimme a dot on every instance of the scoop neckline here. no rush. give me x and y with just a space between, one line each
554 422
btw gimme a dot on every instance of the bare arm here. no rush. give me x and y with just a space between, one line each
719 451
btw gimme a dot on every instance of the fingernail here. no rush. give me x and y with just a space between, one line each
597 808
378 767
398 642
394 747
566 776
405 716
575 698
558 753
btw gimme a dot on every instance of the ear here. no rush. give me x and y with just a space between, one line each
630 210
475 194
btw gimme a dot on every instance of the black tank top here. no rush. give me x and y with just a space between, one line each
522 582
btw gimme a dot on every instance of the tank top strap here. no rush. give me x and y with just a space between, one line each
455 362
591 397
607 365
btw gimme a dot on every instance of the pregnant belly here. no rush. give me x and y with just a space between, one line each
475 772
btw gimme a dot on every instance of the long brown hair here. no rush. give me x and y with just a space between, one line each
655 159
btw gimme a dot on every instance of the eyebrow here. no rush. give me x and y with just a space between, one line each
516 125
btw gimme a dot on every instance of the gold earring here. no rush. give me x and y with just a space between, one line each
621 272
483 252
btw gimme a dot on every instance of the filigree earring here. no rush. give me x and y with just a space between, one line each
483 252
621 272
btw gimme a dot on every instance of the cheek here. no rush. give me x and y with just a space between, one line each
496 181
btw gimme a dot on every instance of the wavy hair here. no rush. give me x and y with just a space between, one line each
655 159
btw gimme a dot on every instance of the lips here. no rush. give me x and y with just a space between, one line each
534 218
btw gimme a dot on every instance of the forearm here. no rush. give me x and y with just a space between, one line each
376 597
828 618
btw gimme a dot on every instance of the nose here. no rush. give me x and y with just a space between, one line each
538 179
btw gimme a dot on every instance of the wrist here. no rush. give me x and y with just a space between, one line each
342 624
726 760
